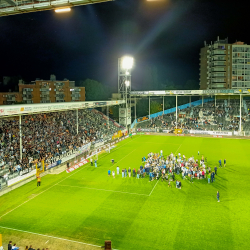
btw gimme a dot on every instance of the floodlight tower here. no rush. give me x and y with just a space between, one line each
125 65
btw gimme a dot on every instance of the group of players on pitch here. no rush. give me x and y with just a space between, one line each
155 166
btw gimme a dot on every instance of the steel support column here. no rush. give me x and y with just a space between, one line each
20 137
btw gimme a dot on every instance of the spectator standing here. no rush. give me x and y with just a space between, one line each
38 181
220 163
215 170
218 196
129 172
134 172
209 177
212 177
138 173
10 245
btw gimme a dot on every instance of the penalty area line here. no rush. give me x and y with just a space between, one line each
115 191
153 188
49 236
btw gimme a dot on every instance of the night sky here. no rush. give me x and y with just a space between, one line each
87 42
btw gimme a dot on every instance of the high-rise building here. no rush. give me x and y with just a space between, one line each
44 91
224 65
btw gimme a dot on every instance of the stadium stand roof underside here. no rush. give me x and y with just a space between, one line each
25 109
207 92
13 7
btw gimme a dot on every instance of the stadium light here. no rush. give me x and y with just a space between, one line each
127 62
61 10
127 83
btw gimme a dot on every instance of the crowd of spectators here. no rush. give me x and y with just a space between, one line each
221 116
46 136
12 246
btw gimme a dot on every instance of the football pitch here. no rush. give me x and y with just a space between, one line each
87 206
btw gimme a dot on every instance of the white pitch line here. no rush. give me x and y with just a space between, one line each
153 188
177 149
124 157
103 190
159 143
46 241
51 236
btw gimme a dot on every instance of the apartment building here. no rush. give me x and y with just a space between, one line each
44 91
224 65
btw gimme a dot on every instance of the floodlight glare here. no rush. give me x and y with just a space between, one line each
127 83
62 10
127 62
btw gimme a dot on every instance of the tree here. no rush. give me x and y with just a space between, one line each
155 107
95 91
191 84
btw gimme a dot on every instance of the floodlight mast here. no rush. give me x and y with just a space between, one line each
125 65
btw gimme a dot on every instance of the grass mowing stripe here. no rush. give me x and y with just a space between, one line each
41 193
53 186
51 237
103 190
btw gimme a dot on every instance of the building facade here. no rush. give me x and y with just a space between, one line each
224 65
44 91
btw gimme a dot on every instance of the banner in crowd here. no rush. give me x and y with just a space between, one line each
83 149
117 135
81 163
52 165
21 177
142 119
210 132
165 131
145 130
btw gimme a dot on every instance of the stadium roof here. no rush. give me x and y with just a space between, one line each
24 109
227 92
13 7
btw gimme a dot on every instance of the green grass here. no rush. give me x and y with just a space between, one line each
191 218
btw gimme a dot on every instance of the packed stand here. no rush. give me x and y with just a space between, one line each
46 136
223 116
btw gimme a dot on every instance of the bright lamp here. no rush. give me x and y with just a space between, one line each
127 62
60 10
127 83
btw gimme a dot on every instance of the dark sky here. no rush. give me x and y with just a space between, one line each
87 42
